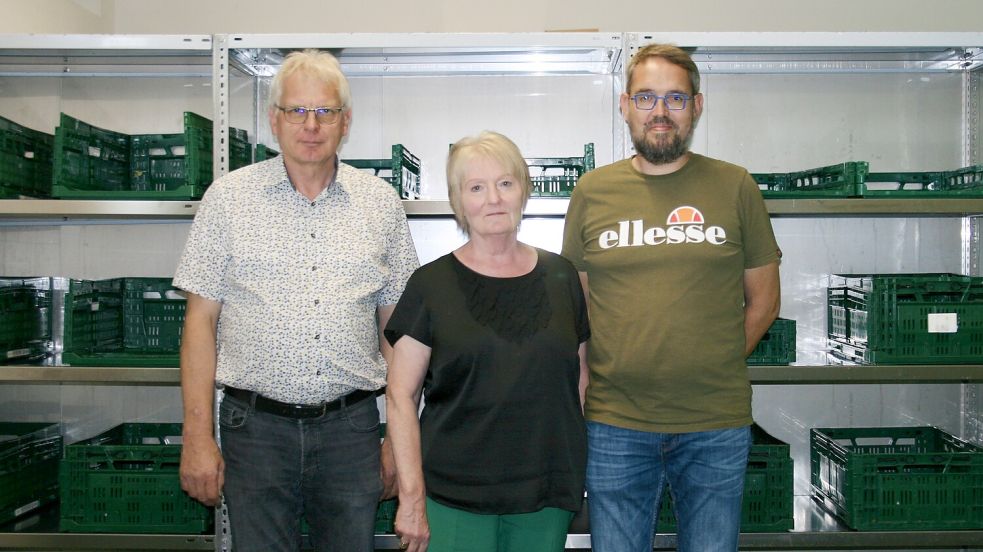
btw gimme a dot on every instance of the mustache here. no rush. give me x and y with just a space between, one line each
660 120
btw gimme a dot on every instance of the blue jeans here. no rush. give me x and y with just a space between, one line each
627 470
279 469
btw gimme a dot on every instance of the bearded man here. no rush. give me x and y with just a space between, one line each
679 263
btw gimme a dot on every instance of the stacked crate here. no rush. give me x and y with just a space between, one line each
123 322
768 492
95 163
25 161
557 176
26 323
401 170
126 481
897 478
29 454
930 318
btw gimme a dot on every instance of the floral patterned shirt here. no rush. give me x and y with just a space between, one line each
299 280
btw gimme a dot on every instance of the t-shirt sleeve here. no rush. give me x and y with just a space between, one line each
760 248
573 241
411 316
580 308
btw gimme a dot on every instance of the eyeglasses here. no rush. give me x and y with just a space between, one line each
647 101
323 115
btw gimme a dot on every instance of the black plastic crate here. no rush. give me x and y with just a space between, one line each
777 346
123 322
897 478
26 157
126 481
930 318
29 454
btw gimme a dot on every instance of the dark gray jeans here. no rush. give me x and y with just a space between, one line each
280 469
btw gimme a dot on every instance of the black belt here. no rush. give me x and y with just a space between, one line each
291 410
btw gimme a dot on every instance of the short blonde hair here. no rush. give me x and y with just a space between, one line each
487 145
321 65
669 52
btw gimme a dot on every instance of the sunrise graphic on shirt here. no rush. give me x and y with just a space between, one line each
685 215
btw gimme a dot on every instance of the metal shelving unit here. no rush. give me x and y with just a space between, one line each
468 55
52 210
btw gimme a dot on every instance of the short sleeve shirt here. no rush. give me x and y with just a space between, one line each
665 258
501 430
299 280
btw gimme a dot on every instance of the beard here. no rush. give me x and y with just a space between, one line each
665 150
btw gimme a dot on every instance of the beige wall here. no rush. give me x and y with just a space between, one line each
255 16
57 16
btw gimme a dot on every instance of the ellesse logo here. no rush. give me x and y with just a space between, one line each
683 225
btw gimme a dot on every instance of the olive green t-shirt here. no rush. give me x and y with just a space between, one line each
665 258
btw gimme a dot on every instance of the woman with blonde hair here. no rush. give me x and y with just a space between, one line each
493 336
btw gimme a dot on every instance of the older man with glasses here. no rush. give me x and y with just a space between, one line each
292 267
680 264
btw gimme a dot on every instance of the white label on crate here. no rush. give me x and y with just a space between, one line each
94 306
943 322
27 507
18 353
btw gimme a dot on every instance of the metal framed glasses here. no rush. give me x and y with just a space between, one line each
647 101
324 115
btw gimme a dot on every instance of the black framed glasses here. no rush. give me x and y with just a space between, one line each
324 115
647 101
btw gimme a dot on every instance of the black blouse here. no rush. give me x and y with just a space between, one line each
501 429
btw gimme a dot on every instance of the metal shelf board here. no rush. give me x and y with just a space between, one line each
941 373
34 209
392 54
28 209
760 375
90 375
825 52
881 206
104 541
106 55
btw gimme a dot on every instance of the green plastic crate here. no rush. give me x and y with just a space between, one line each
88 160
142 166
29 454
126 481
841 180
123 322
964 181
264 152
768 491
25 326
897 478
557 176
26 157
402 170
960 183
777 346
931 318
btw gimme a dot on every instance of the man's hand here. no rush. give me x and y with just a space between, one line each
202 469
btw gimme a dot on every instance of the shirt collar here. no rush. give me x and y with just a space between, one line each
281 179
